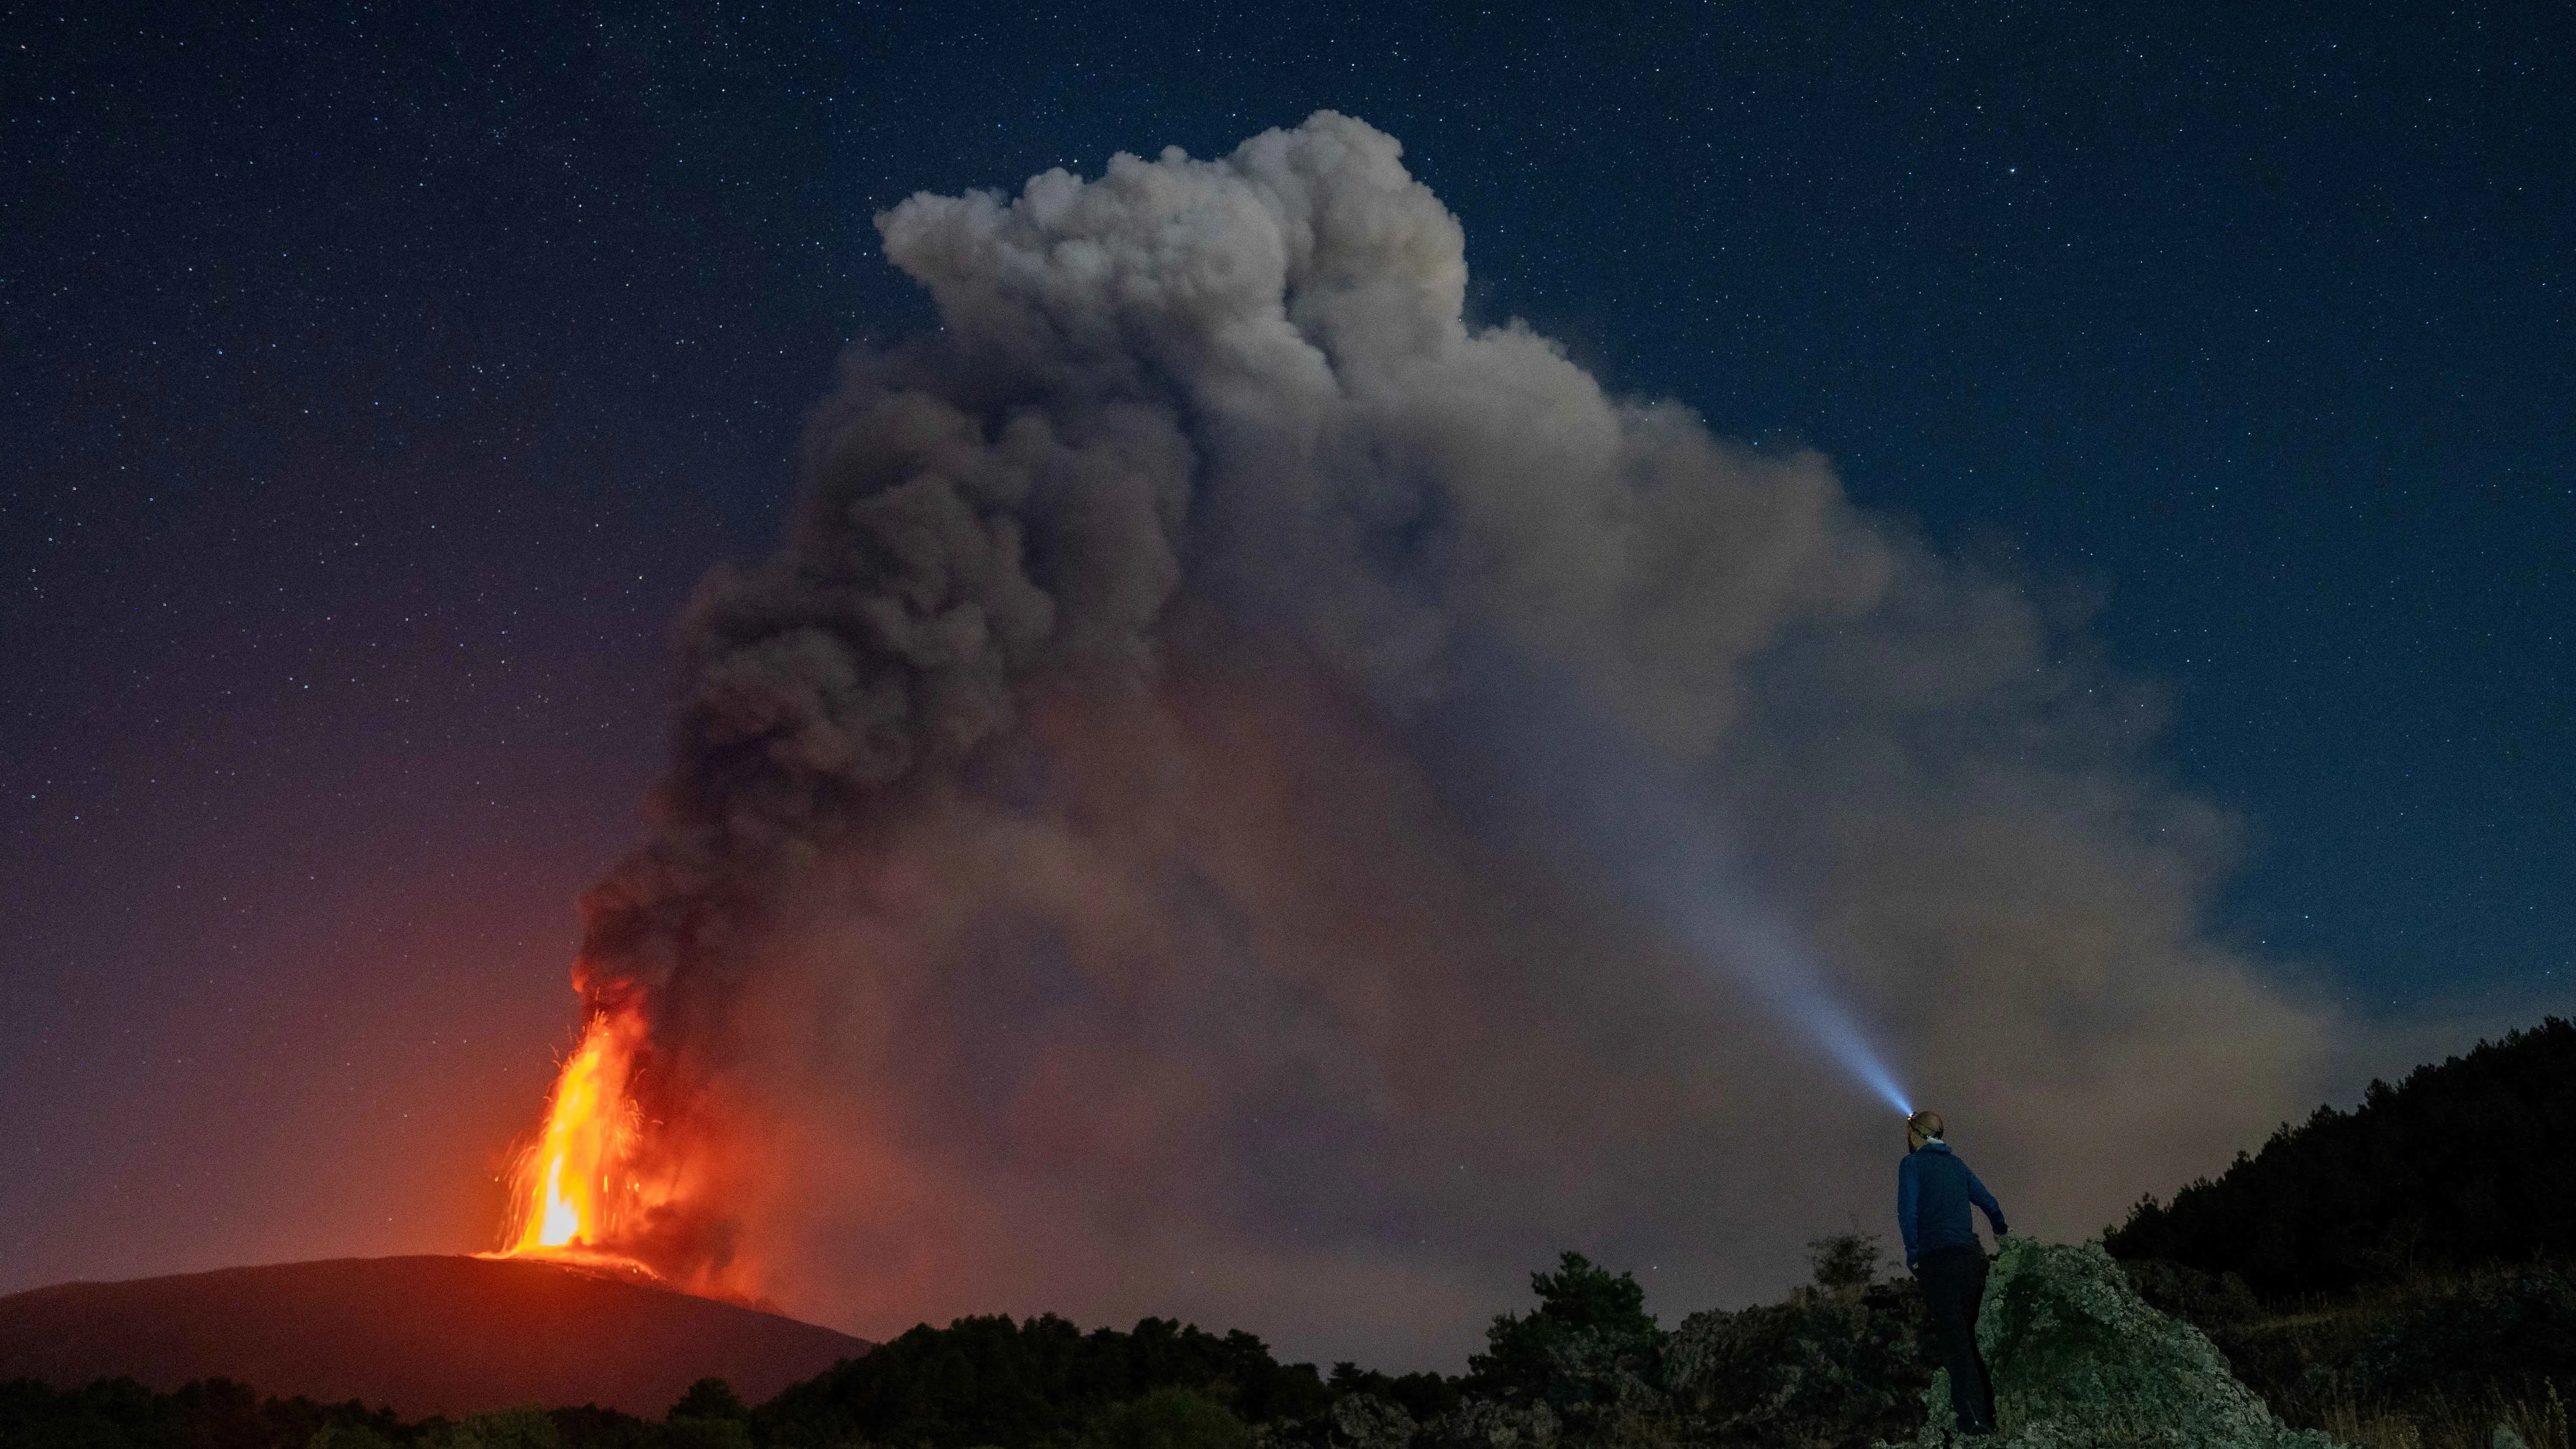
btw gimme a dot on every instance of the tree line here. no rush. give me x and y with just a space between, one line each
1587 1364
2466 1163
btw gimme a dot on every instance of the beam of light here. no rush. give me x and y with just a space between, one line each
1768 961
1591 790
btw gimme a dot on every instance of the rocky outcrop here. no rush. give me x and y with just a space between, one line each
2080 1361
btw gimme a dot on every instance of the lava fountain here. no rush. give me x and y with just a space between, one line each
579 1190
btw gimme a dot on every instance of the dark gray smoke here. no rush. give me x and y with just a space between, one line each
1151 840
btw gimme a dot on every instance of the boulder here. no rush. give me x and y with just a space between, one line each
2079 1361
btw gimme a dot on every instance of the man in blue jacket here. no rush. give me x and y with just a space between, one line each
1934 1190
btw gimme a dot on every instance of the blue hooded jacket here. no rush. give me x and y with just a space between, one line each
1933 1192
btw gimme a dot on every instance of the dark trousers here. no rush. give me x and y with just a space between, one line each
1954 1285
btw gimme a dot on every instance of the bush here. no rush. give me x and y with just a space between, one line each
1840 1363
527 1427
1422 1396
1845 1260
694 1433
2520 1327
1173 1418
1029 1384
709 1399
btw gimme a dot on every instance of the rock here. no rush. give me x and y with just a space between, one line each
2079 1361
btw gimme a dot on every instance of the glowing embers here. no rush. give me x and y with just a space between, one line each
579 1188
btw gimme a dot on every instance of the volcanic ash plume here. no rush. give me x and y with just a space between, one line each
1244 796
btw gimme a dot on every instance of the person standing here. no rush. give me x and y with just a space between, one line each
1934 1191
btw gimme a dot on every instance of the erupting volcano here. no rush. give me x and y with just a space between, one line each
1233 769
610 1181
582 1185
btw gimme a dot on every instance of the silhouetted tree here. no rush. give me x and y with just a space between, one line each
2466 1162
709 1399
1030 1384
1844 1260
1425 1396
1589 1354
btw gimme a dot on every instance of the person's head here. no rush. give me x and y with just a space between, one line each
1920 1128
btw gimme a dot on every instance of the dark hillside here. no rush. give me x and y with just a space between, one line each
425 1335
2468 1162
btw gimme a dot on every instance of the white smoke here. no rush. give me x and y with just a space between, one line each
1153 840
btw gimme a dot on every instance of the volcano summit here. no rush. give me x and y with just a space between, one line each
424 1335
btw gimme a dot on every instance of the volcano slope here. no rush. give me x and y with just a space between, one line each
424 1335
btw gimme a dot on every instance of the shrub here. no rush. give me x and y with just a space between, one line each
1026 1384
1172 1418
527 1427
1841 1365
2520 1326
1845 1260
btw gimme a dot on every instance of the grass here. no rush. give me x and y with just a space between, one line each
2537 1419
2300 1355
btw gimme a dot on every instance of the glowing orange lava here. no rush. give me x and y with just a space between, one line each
579 1184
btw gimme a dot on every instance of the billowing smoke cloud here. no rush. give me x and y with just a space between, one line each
1243 796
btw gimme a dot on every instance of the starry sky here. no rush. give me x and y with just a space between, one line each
377 383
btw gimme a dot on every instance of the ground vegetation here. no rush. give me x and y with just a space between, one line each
2402 1274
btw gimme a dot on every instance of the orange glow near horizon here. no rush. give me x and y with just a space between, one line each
576 1185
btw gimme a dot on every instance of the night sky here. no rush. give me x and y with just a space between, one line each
376 385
